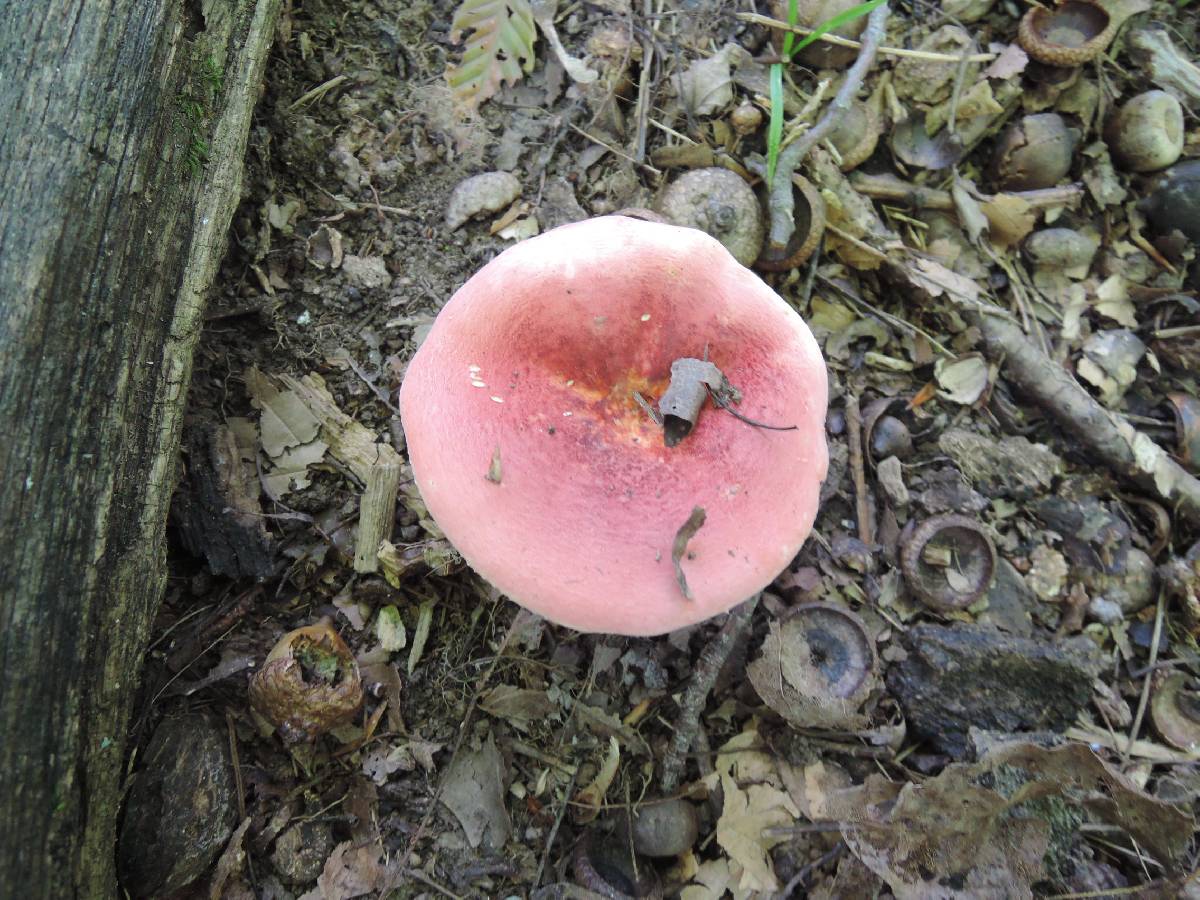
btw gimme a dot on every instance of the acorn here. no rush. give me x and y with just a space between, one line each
718 202
1146 134
1068 35
810 14
1060 248
957 544
1175 203
855 135
309 684
1034 152
746 118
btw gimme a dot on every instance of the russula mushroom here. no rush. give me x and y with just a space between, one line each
530 421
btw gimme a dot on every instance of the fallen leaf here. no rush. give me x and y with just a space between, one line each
389 628
519 707
544 12
745 816
290 471
233 857
1010 219
706 86
350 872
285 420
474 792
984 829
935 279
969 212
962 380
1010 62
499 48
712 879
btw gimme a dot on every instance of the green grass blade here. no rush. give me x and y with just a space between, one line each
775 127
833 22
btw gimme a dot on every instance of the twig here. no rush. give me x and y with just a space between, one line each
889 187
704 676
960 75
1144 700
839 41
319 91
1122 447
643 97
862 504
613 150
558 819
800 879
782 204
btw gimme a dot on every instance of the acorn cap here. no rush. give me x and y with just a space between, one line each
809 214
1068 35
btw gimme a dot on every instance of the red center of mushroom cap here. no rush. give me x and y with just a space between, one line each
534 363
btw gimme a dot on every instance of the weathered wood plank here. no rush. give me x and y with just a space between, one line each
123 131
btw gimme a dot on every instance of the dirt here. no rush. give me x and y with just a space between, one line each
464 772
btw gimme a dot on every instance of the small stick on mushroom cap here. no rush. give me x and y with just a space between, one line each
542 354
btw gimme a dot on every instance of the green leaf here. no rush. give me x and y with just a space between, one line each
775 127
499 48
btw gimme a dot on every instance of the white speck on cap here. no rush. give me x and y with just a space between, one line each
475 382
497 399
645 317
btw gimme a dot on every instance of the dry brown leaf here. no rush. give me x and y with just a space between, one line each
520 707
962 380
740 830
935 279
474 792
286 420
983 829
1010 219
350 872
1010 62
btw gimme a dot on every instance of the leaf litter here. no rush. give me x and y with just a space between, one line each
1014 378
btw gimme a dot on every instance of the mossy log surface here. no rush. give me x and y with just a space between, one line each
121 152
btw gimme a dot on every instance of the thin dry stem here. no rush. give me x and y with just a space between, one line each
782 203
862 502
712 658
839 41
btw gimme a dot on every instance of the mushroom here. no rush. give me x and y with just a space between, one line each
533 439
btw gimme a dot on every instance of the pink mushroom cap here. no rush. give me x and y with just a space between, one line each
528 376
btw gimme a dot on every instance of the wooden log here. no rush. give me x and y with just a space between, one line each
125 127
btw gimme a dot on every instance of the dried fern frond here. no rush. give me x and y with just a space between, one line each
499 47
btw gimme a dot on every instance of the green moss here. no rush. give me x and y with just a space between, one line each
1061 816
194 106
